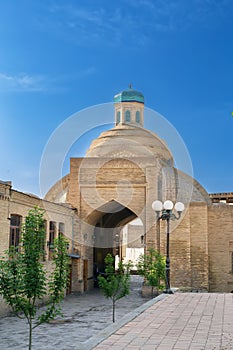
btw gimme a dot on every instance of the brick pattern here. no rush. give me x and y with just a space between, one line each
198 321
94 182
15 202
220 244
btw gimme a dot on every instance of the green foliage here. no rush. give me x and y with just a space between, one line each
152 267
115 284
23 279
57 281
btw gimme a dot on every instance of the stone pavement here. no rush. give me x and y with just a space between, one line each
182 321
85 315
200 321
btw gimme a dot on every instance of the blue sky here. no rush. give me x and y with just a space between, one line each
58 57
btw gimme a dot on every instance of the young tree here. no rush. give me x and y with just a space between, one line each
152 267
115 284
23 279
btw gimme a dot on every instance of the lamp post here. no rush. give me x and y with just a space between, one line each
164 212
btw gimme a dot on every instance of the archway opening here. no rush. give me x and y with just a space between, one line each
114 235
132 242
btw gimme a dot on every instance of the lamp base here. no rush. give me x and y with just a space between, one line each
168 291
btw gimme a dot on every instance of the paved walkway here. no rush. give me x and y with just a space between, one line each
183 321
85 315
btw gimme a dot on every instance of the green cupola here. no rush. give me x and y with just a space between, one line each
129 95
129 107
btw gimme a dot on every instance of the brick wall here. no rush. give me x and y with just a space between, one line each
220 224
15 202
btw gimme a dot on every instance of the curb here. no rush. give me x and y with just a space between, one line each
105 333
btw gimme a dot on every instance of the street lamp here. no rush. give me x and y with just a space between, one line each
164 212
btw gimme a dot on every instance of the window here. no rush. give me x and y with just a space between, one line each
138 119
52 232
61 229
43 238
127 116
15 230
118 119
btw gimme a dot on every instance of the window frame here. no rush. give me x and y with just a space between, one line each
52 234
15 231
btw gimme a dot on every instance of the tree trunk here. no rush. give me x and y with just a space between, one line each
30 334
113 311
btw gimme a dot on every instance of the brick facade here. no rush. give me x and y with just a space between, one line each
17 203
124 171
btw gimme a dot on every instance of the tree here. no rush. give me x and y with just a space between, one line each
115 284
23 278
152 267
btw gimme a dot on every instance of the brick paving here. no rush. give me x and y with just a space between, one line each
182 321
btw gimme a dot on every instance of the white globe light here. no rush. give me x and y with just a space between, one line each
179 207
168 205
157 206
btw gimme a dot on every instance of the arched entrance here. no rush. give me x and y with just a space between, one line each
113 216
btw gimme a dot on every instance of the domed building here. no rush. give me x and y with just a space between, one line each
125 169
95 206
128 138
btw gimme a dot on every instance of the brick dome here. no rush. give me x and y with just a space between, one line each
129 141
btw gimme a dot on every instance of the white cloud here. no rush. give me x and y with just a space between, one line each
24 82
21 82
132 21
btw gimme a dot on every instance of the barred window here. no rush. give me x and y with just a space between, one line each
15 225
